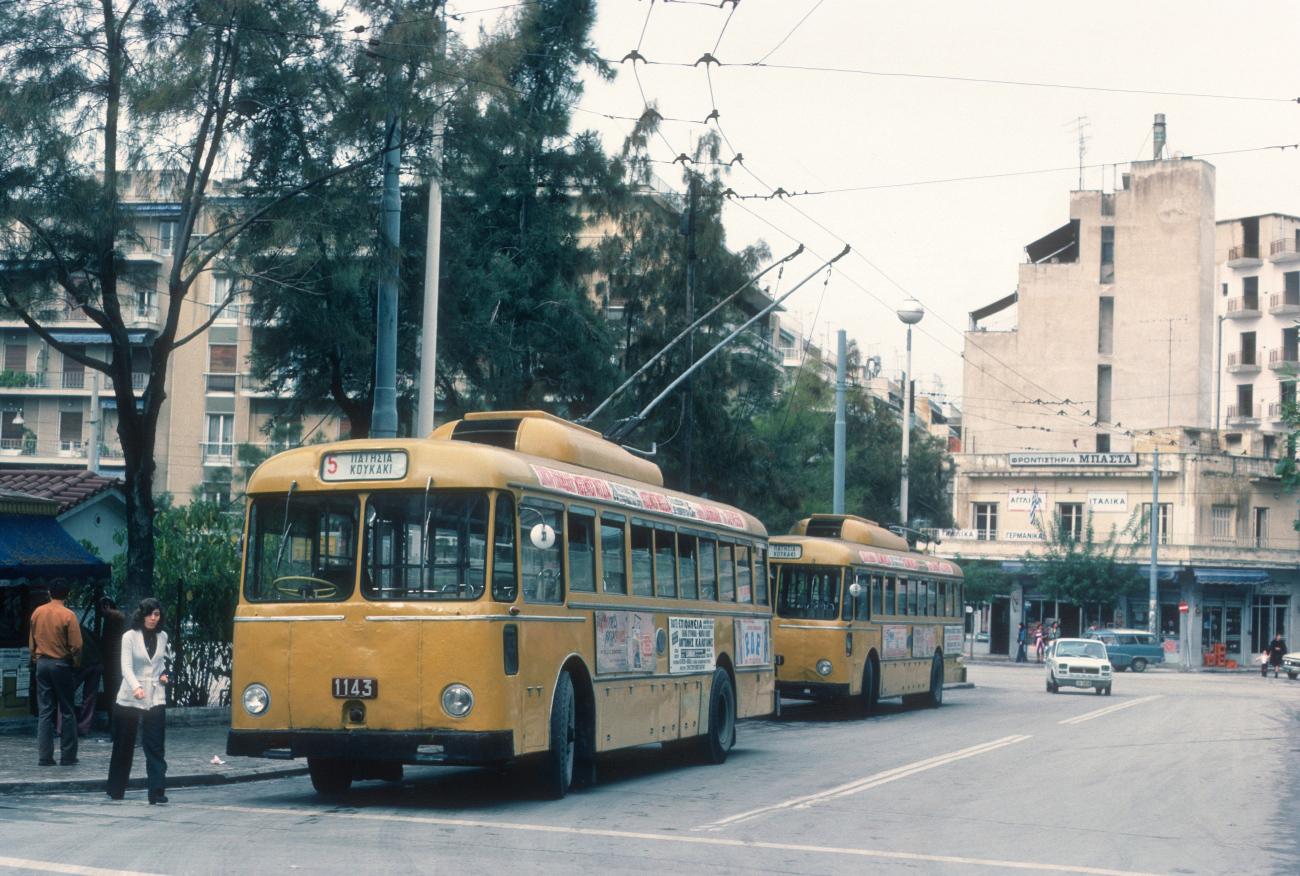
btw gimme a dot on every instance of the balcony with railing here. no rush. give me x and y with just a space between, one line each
1175 547
1277 411
1282 359
1244 362
61 382
1244 255
1284 303
1243 415
33 449
1244 307
218 452
1286 249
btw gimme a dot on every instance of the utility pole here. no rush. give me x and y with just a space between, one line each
841 426
425 412
688 416
1152 591
96 418
383 418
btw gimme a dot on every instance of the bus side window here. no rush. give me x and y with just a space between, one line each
877 595
708 569
665 561
504 587
911 596
846 605
891 590
934 597
761 574
862 605
582 549
726 575
542 568
922 597
686 564
945 609
643 582
744 575
613 565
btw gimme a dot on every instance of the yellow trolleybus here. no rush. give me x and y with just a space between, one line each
861 615
512 586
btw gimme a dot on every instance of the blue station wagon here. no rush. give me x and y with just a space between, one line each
1134 649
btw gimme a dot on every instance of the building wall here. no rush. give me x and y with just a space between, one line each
1015 382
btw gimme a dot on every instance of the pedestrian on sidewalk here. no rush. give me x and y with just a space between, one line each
1020 646
55 643
142 698
1273 654
1039 646
92 670
1056 630
112 628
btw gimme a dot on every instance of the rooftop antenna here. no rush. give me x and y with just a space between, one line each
1081 124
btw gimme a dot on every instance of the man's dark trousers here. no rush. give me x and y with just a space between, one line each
56 684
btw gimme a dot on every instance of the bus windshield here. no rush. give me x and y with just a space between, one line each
301 548
425 546
809 592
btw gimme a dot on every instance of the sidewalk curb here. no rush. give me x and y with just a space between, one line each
959 685
194 780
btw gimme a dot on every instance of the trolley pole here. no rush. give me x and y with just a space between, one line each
688 416
1153 594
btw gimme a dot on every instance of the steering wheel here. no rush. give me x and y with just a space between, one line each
309 588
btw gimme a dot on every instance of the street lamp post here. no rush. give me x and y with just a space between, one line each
910 313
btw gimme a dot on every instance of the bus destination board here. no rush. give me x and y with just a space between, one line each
364 465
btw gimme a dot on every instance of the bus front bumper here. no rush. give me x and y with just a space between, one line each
447 747
811 689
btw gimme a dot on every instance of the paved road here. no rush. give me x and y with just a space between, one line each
1173 774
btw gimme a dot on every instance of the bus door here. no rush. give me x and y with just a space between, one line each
857 609
540 641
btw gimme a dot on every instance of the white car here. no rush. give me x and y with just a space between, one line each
1291 665
1078 663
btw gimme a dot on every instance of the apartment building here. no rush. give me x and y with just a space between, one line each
1114 322
1257 274
54 413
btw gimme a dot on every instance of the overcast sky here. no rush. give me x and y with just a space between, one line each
953 245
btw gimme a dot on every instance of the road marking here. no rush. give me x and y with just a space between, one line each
1088 716
52 867
869 782
670 838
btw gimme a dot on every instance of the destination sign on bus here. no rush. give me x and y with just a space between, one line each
786 551
364 465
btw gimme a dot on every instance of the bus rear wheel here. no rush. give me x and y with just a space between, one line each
557 767
715 745
331 776
934 698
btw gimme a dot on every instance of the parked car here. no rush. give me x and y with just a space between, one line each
1127 649
1291 665
1078 663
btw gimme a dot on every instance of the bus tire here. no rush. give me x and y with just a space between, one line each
870 696
715 745
934 697
331 776
557 766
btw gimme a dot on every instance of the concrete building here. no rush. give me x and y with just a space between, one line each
1257 261
1114 322
48 409
1227 547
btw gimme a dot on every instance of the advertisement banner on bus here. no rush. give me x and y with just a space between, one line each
953 639
753 642
690 644
625 641
894 640
925 641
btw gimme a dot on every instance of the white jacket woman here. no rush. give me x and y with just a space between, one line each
142 672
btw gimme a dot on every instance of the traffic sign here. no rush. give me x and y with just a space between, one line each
1182 607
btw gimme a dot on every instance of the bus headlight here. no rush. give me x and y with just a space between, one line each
824 667
257 699
457 700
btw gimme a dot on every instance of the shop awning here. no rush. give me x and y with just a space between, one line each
39 547
1231 576
94 337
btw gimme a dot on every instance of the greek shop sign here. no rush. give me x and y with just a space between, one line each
1102 459
1112 501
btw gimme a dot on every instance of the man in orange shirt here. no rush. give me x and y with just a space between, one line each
55 642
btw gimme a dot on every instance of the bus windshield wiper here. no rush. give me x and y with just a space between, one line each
284 536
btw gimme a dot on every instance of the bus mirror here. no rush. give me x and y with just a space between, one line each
542 537
855 590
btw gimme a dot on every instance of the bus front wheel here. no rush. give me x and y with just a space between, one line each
331 776
716 744
557 768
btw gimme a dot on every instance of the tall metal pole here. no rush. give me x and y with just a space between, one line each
1152 592
96 418
841 425
383 419
688 416
907 429
425 413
